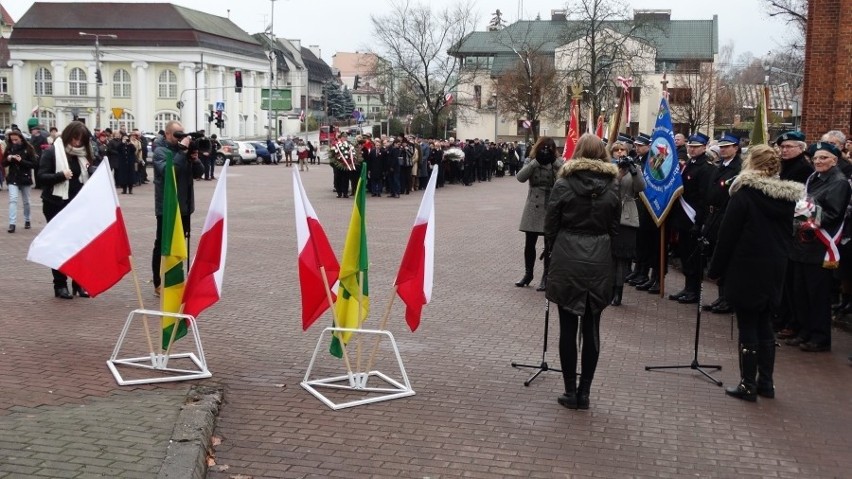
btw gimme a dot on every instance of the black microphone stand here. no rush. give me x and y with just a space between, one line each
695 365
543 366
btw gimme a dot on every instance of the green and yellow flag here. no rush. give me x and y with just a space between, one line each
353 294
173 255
759 132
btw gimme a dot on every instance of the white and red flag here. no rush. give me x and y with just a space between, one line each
302 115
87 240
448 99
204 282
417 269
573 135
315 258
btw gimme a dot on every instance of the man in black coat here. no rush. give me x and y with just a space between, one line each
648 235
716 203
794 167
687 217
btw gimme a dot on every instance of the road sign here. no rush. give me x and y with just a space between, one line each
220 106
282 99
527 124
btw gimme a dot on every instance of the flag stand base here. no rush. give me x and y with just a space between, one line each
357 381
158 363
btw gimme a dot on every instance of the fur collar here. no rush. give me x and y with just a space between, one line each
772 187
583 164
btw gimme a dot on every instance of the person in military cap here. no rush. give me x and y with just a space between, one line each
726 170
687 216
647 237
813 255
795 166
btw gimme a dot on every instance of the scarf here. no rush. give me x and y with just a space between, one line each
61 189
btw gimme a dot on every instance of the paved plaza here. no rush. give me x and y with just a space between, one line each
62 414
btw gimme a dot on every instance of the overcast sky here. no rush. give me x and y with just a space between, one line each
344 25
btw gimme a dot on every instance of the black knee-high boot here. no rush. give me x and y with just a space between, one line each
747 388
765 368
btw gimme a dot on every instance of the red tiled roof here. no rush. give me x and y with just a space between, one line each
7 19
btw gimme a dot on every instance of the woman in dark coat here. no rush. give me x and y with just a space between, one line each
61 175
582 217
630 183
125 167
751 253
20 159
540 172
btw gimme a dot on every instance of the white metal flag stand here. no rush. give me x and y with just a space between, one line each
357 381
159 362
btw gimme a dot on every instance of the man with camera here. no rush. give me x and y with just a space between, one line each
175 144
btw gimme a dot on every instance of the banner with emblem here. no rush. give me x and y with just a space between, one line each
663 184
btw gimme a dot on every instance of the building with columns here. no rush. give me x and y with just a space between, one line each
6 25
165 62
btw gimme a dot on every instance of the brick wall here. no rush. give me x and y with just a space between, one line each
827 98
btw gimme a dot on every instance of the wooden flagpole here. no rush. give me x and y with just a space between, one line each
616 125
334 318
360 321
141 305
382 326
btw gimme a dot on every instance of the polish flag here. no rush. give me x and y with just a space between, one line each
204 283
448 99
315 253
416 271
87 240
599 131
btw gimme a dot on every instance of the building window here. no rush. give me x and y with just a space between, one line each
358 99
161 119
5 118
77 85
477 96
121 83
206 79
680 96
46 118
4 88
43 82
167 84
376 109
127 122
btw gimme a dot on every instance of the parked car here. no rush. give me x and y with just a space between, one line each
227 151
262 153
247 152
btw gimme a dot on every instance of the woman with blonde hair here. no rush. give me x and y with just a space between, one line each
751 253
540 172
582 217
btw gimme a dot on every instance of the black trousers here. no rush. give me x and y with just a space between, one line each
157 254
690 259
754 326
589 326
812 301
60 280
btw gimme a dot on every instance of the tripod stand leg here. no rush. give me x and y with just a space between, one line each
543 366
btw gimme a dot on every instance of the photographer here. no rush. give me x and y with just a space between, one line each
125 164
19 157
629 183
176 145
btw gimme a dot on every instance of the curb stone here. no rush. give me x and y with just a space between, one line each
186 456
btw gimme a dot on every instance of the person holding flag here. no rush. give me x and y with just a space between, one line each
175 144
62 170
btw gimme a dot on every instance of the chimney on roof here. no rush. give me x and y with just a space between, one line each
297 44
651 15
315 49
558 15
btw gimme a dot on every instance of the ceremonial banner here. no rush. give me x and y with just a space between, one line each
663 183
573 135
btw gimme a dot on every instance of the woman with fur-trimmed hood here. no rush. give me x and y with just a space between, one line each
582 216
751 253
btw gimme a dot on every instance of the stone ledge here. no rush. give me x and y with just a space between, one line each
186 456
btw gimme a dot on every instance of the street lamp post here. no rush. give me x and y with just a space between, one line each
271 73
97 70
494 100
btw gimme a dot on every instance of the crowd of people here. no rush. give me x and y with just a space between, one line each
772 228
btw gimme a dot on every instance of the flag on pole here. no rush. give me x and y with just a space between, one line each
448 99
302 115
663 183
600 126
87 240
314 253
589 127
173 254
573 135
759 132
416 271
353 294
204 281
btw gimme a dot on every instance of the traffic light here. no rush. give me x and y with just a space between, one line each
220 122
98 77
210 117
238 81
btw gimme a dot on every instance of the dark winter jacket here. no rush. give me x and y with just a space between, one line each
830 192
186 171
696 178
19 172
718 196
582 216
48 177
796 169
754 241
125 164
